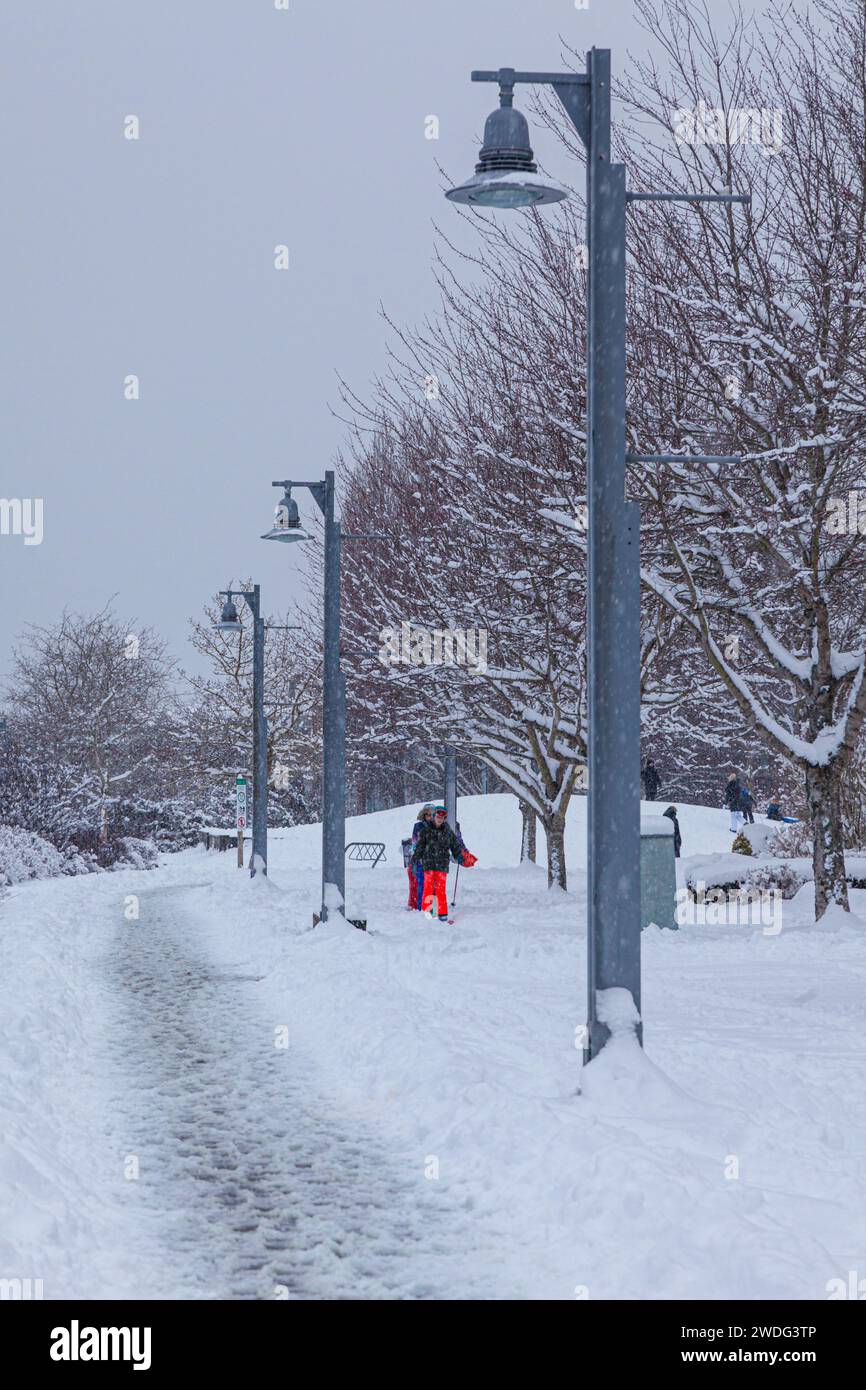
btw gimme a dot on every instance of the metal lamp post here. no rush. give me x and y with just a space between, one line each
506 176
230 622
287 527
451 785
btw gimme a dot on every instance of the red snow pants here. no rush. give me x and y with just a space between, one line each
415 877
435 881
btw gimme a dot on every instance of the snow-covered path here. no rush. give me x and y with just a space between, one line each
250 1186
428 1131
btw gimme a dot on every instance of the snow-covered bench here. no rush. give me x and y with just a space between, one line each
212 837
730 871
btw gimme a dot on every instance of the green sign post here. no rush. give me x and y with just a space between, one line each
241 795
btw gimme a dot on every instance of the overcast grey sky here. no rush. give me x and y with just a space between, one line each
155 257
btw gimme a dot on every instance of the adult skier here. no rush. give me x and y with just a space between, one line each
671 814
733 801
415 872
435 845
651 780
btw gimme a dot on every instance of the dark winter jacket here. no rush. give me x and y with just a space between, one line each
651 781
436 843
678 839
733 794
747 801
774 811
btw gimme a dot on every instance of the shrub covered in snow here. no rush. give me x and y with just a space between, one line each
59 806
793 841
24 855
786 879
136 854
172 823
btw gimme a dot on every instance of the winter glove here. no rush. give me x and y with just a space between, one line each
468 859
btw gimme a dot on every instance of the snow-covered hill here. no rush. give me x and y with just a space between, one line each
402 1112
491 826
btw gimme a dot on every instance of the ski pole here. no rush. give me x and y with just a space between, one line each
456 881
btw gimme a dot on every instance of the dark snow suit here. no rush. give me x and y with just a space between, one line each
733 801
651 781
415 873
436 845
678 839
733 795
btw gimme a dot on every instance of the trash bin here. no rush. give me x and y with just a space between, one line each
658 875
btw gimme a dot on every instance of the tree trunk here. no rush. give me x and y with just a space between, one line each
527 838
554 828
828 855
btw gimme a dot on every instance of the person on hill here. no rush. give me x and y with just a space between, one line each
436 844
416 874
747 803
733 801
651 780
774 809
671 814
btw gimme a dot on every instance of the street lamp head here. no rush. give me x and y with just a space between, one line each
506 175
287 522
229 620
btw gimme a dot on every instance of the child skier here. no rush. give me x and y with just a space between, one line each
436 843
415 872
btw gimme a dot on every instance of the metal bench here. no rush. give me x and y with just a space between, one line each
366 852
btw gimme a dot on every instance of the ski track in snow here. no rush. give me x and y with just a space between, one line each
242 1211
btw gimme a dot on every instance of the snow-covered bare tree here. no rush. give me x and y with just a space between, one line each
474 462
94 695
222 713
749 335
